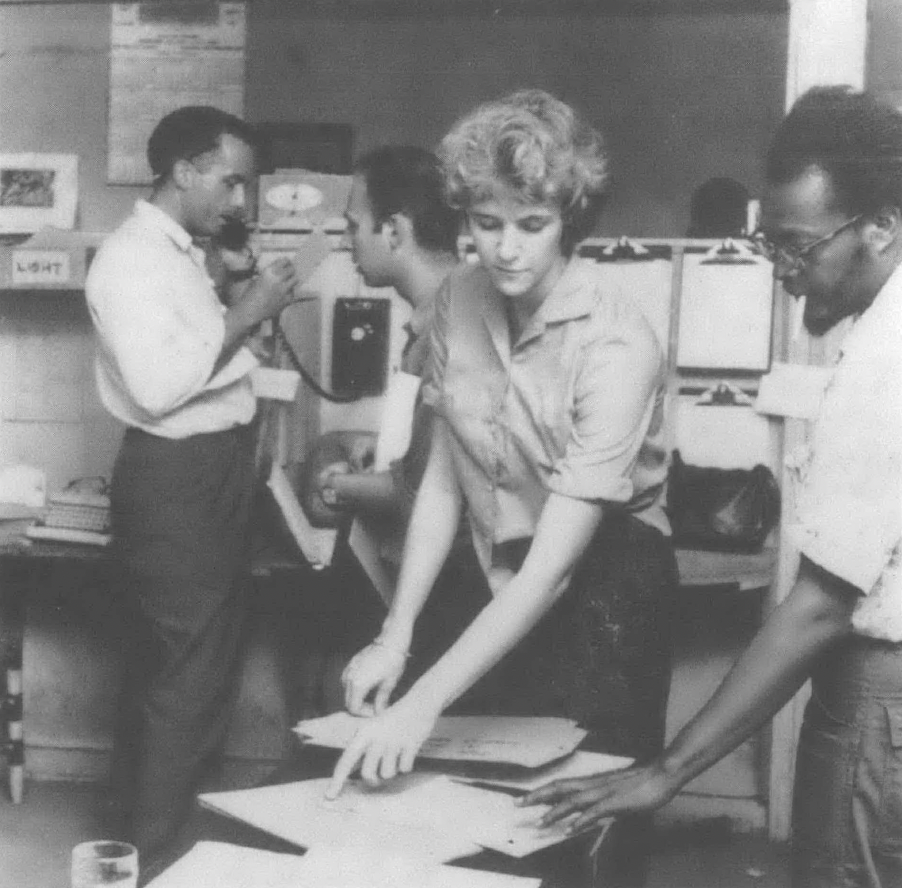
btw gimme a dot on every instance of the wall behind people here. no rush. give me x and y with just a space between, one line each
884 62
681 96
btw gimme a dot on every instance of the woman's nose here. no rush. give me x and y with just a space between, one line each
508 243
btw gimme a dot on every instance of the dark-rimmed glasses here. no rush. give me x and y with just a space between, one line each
794 256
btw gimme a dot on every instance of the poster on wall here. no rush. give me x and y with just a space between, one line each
164 56
36 191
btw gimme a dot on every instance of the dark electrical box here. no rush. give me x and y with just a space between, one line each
360 346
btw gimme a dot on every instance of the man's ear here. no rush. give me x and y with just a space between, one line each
886 227
400 230
183 173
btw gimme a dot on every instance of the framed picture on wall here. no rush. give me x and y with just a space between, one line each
37 191
318 147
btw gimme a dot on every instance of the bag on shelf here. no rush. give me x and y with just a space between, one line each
725 510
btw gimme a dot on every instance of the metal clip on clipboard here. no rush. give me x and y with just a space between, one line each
724 394
730 252
625 248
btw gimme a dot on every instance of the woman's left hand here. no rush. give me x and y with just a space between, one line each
385 745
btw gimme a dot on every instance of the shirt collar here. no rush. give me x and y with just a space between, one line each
570 298
153 216
880 317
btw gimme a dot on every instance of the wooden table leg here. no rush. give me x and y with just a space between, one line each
12 631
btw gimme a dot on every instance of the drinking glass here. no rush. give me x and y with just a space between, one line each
104 863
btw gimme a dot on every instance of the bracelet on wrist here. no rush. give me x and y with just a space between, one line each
378 642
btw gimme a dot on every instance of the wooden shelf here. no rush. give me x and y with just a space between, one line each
754 571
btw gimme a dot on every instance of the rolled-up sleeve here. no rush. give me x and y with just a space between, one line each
616 403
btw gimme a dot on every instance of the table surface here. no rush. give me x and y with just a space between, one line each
16 546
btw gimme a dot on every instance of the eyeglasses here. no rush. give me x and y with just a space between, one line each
795 256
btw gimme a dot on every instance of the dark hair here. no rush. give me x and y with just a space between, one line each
189 132
408 179
852 136
719 208
538 147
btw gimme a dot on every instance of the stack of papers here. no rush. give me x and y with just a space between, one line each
426 818
525 741
219 865
419 816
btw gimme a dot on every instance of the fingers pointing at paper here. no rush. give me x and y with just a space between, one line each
384 746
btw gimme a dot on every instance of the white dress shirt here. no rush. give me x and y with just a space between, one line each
849 494
161 329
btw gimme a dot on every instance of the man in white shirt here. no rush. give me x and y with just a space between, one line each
173 367
832 225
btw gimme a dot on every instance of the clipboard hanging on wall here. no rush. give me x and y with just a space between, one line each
718 426
642 273
726 310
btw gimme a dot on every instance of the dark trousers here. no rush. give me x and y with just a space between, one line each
181 512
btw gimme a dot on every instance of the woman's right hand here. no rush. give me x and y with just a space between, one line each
375 670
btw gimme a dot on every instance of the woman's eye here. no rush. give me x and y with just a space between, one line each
533 226
485 223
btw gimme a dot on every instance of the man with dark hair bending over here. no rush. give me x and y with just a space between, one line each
173 367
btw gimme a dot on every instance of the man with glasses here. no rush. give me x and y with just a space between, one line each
832 225
173 367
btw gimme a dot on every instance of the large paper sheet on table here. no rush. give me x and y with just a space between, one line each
220 865
361 819
416 816
518 740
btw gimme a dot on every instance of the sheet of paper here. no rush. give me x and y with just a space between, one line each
418 816
360 818
723 436
527 741
578 764
647 283
220 865
794 390
329 868
317 543
726 311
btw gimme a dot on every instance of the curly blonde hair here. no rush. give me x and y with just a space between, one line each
536 146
